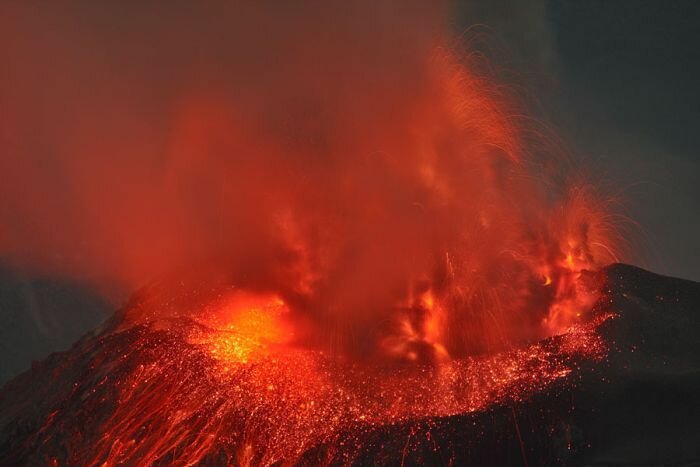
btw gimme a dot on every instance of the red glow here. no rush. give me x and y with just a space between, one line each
402 240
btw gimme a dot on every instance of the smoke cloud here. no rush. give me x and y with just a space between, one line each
348 158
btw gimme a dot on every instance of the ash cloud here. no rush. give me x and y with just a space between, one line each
344 157
104 106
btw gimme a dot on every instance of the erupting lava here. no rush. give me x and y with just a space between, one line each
402 244
425 234
224 385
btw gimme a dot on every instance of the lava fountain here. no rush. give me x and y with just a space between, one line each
391 241
404 284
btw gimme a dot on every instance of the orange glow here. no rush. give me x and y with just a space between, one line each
403 242
244 327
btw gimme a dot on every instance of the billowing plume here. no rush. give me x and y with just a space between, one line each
348 160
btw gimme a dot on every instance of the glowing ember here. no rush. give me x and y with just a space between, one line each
241 392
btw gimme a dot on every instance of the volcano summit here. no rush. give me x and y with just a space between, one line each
178 390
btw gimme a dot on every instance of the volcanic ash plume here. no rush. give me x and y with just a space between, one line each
349 167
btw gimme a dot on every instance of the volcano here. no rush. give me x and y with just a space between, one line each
156 384
364 241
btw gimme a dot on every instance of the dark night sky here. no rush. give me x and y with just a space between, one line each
620 81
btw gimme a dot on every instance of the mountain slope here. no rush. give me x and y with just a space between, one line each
133 392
